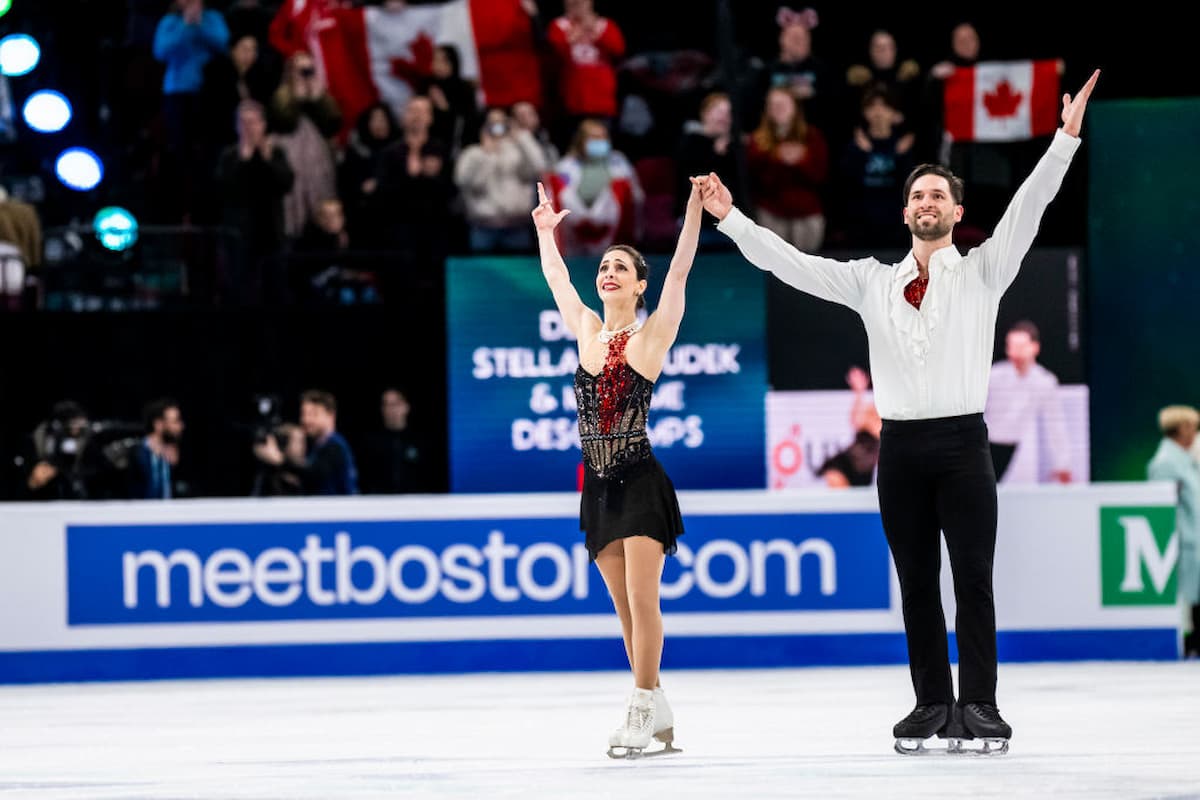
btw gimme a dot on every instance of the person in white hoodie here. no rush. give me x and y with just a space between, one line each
496 178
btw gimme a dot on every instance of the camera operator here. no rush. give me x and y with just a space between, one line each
55 467
326 466
157 455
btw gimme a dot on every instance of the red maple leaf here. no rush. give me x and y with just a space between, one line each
419 66
1002 101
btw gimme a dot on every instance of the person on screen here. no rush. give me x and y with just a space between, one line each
1023 410
1174 462
931 322
628 511
855 466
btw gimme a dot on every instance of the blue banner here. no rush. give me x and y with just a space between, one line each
133 574
512 363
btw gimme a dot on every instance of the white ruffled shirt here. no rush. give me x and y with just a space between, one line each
933 362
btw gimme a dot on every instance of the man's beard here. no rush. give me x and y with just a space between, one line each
929 234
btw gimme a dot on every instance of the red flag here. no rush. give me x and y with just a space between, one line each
1002 101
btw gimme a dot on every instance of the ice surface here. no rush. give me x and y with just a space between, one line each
1095 730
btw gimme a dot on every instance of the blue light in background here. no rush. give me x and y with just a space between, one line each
79 169
47 111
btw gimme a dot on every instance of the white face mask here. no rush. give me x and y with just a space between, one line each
597 148
498 129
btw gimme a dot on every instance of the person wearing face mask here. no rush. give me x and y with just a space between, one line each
495 178
600 189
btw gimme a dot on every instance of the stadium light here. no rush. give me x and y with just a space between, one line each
116 228
79 169
47 111
19 54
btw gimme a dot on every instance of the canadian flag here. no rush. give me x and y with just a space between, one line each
1002 101
385 52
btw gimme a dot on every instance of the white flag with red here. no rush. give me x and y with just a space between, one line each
381 53
1002 101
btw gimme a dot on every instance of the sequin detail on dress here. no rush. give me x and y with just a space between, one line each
914 292
612 413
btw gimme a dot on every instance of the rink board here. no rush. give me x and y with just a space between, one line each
502 583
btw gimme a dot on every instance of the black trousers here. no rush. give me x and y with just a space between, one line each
937 475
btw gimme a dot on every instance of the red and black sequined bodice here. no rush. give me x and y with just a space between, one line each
612 413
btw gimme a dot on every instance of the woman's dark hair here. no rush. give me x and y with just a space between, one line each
451 53
640 266
364 123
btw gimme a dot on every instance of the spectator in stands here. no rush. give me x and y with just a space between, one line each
357 182
900 80
186 39
1174 463
394 459
154 459
600 189
455 112
588 48
708 145
415 191
876 162
788 163
20 248
253 176
305 115
526 116
244 73
495 178
322 265
327 466
796 69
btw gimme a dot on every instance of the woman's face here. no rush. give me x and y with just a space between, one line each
441 67
378 124
244 53
718 118
883 50
617 279
781 108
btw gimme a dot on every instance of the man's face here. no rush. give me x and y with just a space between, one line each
1187 435
931 212
331 217
418 114
316 420
252 125
964 41
1020 348
883 50
171 424
394 408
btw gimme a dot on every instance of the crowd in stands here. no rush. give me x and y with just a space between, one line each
314 173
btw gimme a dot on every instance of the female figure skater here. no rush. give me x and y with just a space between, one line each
628 511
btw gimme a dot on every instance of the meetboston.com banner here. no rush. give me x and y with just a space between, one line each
512 364
502 582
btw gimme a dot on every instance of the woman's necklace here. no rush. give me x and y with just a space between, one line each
606 335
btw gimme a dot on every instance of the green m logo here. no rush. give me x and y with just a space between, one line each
1138 552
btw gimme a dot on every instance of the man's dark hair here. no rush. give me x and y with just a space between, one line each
956 183
156 410
66 410
323 399
1026 327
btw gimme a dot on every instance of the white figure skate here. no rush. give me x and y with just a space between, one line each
648 717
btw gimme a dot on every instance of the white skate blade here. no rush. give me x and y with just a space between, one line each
667 737
632 753
954 747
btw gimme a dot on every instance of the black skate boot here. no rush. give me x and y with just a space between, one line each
921 723
981 721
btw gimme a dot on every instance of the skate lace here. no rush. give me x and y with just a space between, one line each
985 711
639 718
